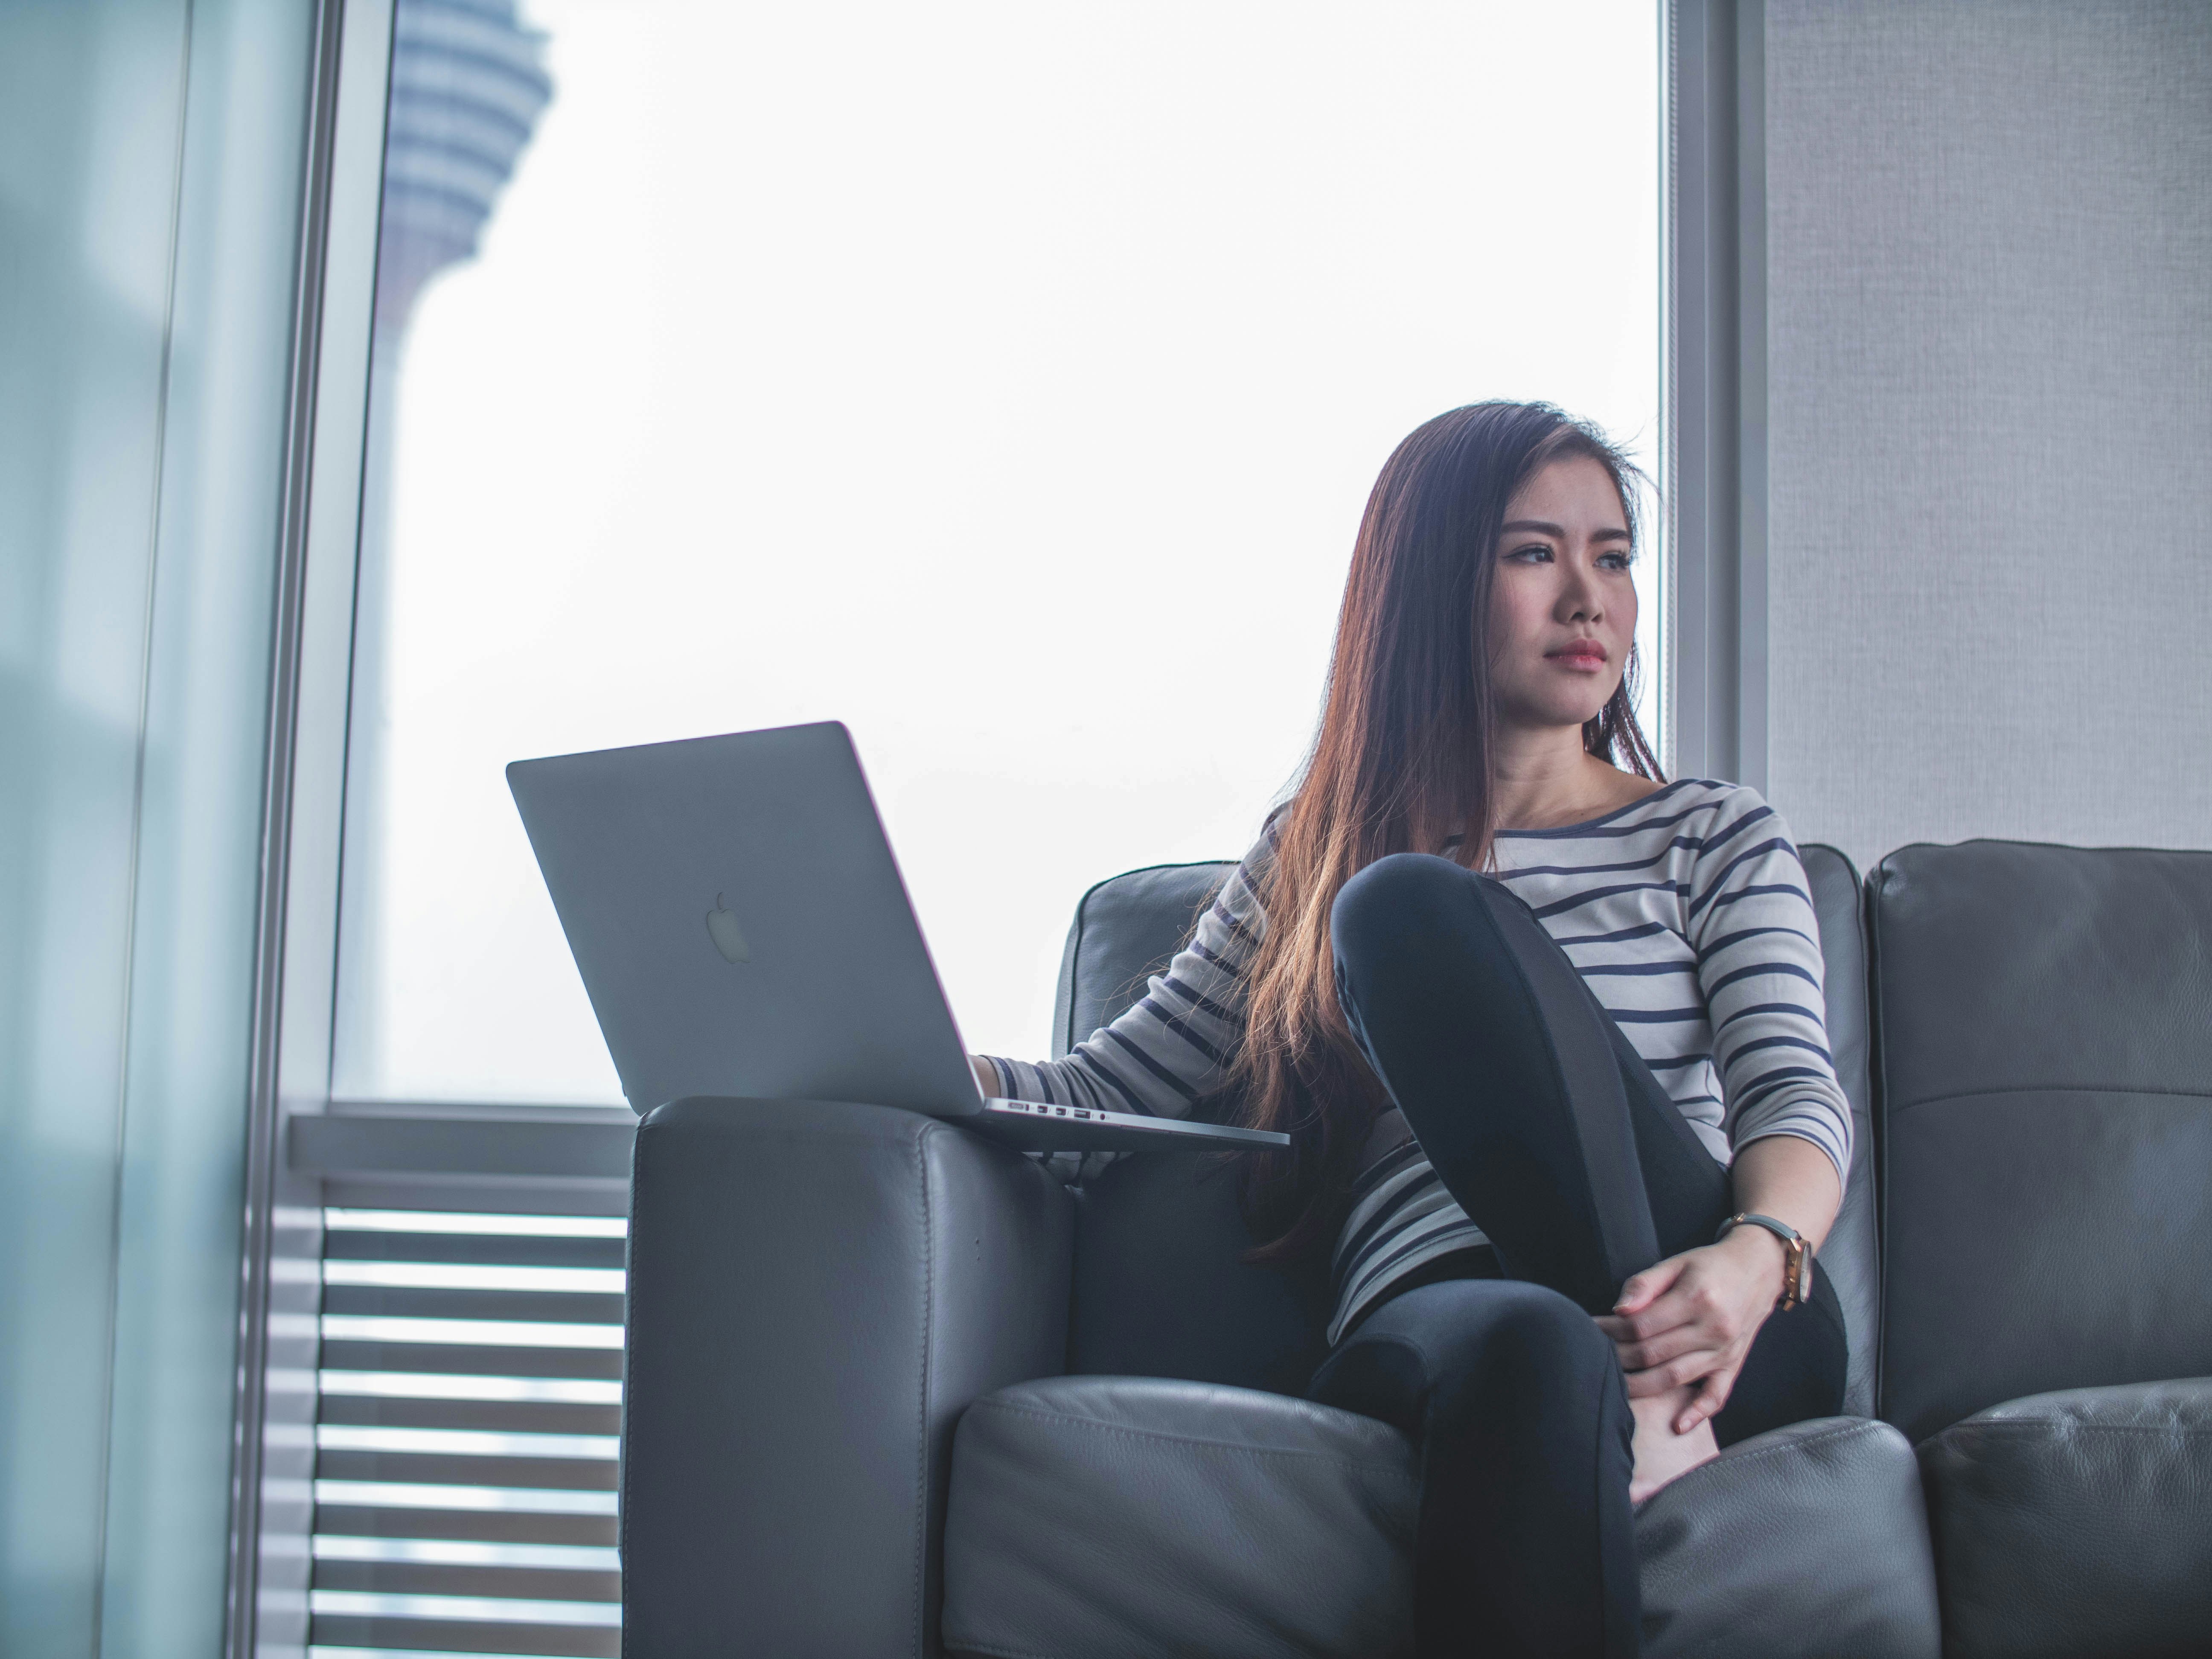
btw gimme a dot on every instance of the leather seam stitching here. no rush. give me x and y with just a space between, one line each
1000 1652
1879 1110
2050 1089
1191 1440
2070 1429
1794 1446
921 1401
908 1137
1821 1439
1075 964
630 1265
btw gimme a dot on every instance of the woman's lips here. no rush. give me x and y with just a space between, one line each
1587 656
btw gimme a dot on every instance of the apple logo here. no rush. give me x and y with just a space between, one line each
722 929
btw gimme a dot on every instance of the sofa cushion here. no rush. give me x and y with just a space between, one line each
2076 1522
1808 1540
2044 1041
1113 1517
1109 1517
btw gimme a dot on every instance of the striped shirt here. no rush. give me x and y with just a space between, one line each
1689 916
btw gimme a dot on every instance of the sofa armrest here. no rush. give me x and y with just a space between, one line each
817 1290
2076 1522
1811 1539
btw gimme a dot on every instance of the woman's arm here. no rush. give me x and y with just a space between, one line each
1170 1050
1691 1317
1791 1180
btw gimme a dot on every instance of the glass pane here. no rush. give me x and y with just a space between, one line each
1005 381
150 158
197 904
89 105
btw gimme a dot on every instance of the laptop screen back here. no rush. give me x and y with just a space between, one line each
740 923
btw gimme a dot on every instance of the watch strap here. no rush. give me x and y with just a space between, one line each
1797 1255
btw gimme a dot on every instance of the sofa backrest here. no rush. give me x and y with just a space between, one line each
1159 1290
2043 1039
1126 929
1848 1255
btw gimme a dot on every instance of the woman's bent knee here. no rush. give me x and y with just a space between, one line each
1492 1320
1381 903
1401 881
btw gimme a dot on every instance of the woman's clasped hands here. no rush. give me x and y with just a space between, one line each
1691 1319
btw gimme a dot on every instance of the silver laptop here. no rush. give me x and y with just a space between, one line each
742 929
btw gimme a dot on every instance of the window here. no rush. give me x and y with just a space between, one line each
1003 379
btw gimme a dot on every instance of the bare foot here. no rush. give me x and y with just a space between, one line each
1661 1455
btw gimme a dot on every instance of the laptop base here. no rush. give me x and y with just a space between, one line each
1034 1126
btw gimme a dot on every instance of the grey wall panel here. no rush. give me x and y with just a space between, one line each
1989 313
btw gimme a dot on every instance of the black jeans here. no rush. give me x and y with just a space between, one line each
1547 1126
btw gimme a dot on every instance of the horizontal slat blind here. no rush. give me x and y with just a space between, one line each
467 1435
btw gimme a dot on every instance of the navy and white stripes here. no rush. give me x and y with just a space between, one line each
1687 913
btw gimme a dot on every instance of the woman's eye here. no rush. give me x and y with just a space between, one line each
1613 561
1534 552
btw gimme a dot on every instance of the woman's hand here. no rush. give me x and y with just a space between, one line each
1691 1319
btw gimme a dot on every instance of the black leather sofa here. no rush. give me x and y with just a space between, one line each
896 1390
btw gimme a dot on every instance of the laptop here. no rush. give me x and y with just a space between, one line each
742 929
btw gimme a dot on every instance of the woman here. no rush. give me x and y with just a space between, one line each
1546 1034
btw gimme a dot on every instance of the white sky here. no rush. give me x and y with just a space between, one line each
1004 380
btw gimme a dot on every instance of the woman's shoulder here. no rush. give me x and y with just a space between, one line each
1733 833
1261 857
1720 793
1706 799
1698 826
1240 894
1716 804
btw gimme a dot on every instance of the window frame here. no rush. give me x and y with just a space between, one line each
1713 389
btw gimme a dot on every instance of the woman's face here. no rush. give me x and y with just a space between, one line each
1563 609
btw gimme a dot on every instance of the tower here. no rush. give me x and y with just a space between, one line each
468 86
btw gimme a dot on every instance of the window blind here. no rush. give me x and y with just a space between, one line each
467 1435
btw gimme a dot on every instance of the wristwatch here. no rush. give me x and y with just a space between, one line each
1796 1255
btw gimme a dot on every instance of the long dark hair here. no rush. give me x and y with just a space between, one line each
1403 761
